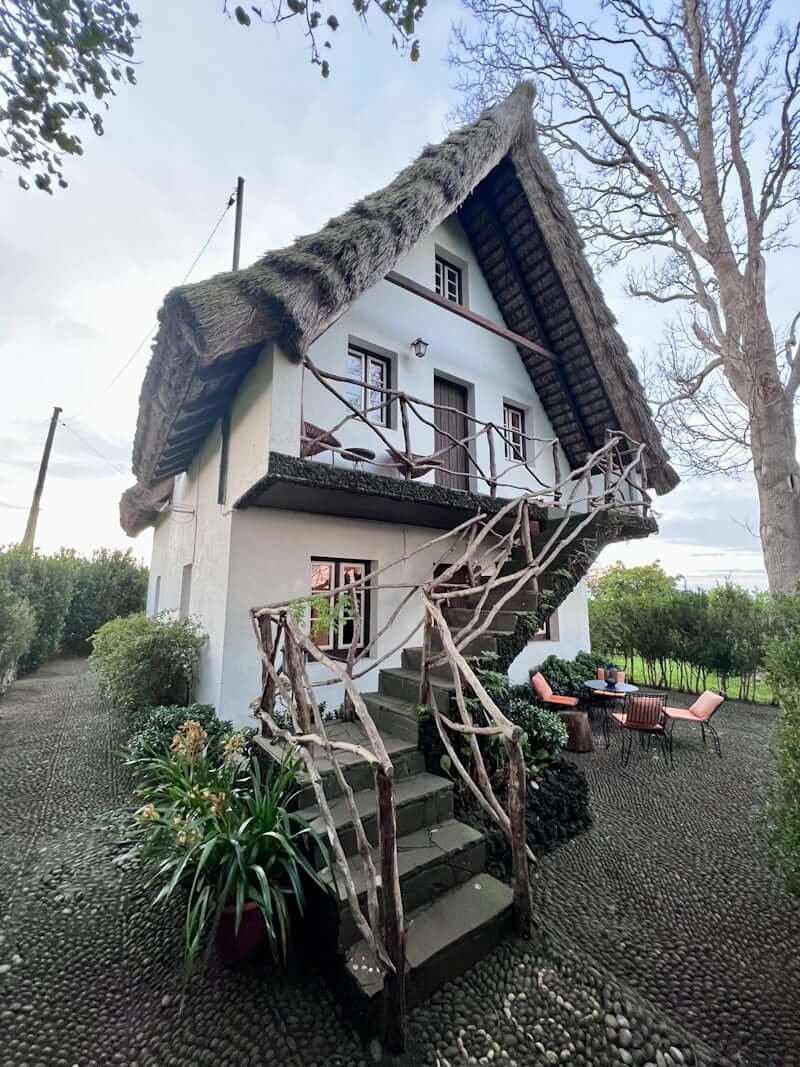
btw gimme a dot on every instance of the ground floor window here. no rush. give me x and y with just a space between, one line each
332 618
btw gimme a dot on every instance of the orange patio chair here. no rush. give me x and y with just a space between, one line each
644 714
706 705
546 696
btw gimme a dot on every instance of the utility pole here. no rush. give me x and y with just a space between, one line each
33 514
237 232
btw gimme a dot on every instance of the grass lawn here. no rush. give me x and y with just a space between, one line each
763 694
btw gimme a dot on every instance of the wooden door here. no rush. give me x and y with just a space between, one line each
454 422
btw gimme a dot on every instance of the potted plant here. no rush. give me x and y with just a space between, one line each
226 842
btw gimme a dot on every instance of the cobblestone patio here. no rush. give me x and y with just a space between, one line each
669 892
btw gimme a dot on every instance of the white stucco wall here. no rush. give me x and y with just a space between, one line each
246 558
572 626
195 530
388 318
271 554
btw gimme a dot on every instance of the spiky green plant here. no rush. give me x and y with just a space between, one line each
226 836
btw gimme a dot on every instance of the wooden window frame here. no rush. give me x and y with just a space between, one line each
368 357
515 450
441 267
337 649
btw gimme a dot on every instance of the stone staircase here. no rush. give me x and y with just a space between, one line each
455 911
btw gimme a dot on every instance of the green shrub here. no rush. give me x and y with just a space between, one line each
783 667
545 733
566 676
155 728
46 582
17 630
146 662
110 585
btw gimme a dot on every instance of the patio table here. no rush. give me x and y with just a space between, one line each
606 694
618 689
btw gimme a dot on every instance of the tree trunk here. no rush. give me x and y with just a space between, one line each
774 446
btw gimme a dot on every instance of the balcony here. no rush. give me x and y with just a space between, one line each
398 458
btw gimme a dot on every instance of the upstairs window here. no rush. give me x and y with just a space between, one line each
332 625
369 373
514 424
449 281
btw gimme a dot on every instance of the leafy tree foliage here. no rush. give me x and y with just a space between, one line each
60 61
783 667
17 629
110 585
46 583
639 612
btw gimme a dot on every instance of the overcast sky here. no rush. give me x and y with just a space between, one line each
83 272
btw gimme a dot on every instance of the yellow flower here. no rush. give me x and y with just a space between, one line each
189 743
234 747
188 837
149 813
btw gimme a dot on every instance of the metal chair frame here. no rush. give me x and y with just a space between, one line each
658 729
704 724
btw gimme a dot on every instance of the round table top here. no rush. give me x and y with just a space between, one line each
600 686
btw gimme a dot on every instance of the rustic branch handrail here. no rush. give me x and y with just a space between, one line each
515 442
474 558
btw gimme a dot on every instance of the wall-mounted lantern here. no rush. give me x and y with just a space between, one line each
419 347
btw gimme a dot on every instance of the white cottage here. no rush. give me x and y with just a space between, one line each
462 285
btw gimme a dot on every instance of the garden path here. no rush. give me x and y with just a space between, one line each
90 973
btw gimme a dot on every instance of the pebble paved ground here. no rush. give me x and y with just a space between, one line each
89 973
671 889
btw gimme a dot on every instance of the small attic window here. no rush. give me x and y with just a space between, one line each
449 280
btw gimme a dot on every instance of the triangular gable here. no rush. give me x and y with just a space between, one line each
493 173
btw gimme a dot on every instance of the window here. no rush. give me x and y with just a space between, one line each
449 281
514 424
224 438
332 626
186 590
367 371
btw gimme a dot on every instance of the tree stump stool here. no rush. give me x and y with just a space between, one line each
579 732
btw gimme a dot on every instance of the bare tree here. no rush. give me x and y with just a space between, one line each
675 127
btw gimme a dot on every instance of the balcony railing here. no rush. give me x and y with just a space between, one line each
511 463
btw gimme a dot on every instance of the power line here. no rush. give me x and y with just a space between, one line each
91 447
152 330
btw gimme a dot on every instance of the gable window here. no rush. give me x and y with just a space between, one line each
333 623
514 425
449 281
369 373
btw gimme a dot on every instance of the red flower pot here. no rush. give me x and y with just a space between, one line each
233 946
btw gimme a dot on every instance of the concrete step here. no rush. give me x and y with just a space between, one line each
403 684
431 861
405 757
424 800
524 600
504 621
444 939
486 645
394 715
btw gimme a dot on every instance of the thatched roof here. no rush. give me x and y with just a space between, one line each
495 176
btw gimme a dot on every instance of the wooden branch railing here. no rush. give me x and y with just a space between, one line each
472 563
523 452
